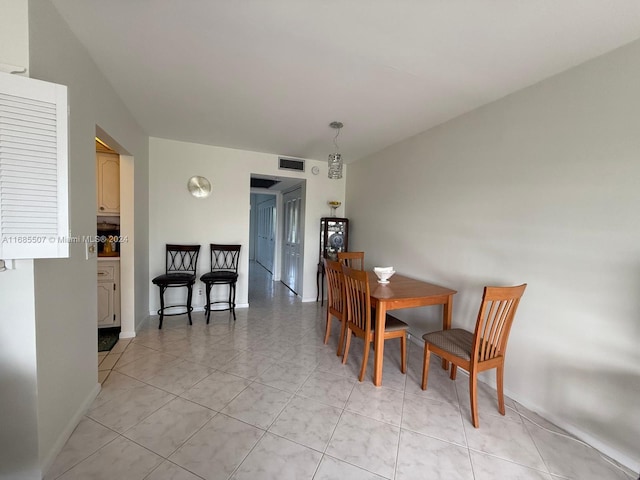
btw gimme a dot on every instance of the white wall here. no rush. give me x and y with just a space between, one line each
65 289
539 187
18 365
177 217
18 374
14 34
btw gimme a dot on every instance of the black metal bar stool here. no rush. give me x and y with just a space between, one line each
224 271
180 271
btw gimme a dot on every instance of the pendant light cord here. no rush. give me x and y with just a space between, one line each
335 140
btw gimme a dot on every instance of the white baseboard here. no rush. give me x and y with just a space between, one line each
124 334
633 464
574 430
142 324
595 443
50 457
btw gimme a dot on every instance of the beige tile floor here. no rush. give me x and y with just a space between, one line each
107 360
264 398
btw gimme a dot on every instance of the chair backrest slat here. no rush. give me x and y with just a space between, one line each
493 328
497 311
182 258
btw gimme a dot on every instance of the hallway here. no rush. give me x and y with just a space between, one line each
264 292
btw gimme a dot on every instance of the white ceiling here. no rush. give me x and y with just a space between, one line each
270 75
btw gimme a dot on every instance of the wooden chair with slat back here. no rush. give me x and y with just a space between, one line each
352 259
481 350
358 311
335 300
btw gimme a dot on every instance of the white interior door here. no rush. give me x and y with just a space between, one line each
266 226
291 245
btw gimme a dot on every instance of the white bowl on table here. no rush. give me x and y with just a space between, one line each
383 273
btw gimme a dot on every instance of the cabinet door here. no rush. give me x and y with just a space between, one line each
106 292
108 173
34 191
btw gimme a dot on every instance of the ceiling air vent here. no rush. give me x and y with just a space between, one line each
263 182
290 164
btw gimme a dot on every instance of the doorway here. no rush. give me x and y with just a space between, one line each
126 243
277 228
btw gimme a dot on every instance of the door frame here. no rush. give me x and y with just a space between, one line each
277 255
127 225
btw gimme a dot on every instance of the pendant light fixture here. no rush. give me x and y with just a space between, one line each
335 159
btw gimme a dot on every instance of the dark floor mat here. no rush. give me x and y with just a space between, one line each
107 338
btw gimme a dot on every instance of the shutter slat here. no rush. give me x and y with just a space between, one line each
30 141
28 104
14 164
20 126
13 118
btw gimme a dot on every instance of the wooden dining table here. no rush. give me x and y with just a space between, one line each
404 292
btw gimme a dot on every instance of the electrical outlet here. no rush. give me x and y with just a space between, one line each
200 292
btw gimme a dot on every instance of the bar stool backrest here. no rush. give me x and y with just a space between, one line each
182 258
224 257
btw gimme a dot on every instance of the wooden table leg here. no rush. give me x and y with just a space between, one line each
447 309
381 313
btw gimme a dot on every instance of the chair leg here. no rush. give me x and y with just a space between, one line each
189 296
346 346
403 353
343 331
328 328
454 370
425 367
207 307
233 300
473 397
365 359
161 311
500 385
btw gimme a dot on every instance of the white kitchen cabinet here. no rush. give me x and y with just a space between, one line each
108 175
108 293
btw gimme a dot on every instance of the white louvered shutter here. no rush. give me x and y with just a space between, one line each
34 216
